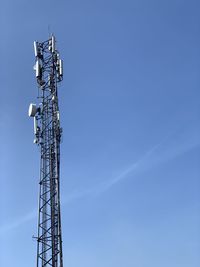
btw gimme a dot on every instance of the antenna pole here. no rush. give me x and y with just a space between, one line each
49 72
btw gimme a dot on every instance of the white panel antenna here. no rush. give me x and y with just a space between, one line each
61 67
35 125
36 48
53 44
37 69
32 110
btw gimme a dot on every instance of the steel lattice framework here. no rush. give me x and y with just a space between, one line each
49 72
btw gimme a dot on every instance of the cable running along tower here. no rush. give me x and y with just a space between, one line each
49 72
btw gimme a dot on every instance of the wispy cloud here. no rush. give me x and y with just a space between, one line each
141 164
18 222
106 185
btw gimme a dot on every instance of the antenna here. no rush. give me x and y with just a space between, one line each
47 134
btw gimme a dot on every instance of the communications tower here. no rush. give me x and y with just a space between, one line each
49 72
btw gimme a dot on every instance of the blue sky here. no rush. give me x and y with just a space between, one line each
130 113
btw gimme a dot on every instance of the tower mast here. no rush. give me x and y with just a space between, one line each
49 72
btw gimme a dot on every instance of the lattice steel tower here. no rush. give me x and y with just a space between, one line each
49 72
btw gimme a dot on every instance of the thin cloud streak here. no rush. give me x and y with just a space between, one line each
104 186
98 189
18 222
139 165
